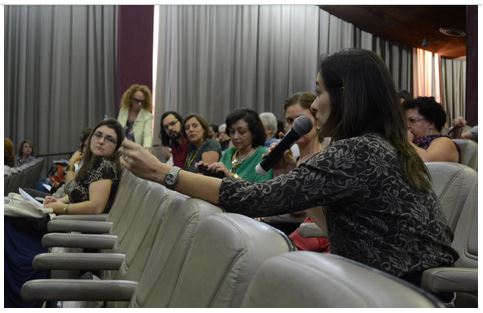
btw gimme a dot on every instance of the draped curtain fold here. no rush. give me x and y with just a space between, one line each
59 72
214 59
453 80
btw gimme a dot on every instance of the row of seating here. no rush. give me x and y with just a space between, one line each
164 249
23 176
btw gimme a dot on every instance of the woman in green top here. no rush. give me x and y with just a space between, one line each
248 136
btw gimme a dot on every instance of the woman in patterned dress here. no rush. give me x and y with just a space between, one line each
380 207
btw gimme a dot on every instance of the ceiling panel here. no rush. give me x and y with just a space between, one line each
414 25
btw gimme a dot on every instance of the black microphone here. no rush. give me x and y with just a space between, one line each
301 126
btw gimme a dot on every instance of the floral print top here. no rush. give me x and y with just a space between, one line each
373 215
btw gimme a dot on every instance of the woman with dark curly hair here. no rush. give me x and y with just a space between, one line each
135 115
248 136
425 118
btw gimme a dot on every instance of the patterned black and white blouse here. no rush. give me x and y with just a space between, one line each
101 169
373 215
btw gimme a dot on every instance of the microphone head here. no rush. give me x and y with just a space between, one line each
259 170
302 125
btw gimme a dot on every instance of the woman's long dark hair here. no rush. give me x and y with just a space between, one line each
364 100
90 159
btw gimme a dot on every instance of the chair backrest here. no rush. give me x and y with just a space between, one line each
225 255
136 240
24 176
451 182
468 152
466 233
169 250
310 279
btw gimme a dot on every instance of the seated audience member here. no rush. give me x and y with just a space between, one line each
247 136
135 115
200 148
174 143
25 153
269 121
471 134
425 118
223 138
9 154
297 105
60 176
213 131
76 160
91 192
404 95
373 184
93 189
459 126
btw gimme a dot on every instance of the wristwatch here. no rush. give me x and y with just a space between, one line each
171 179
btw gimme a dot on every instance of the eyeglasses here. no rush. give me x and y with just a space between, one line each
172 123
413 120
108 138
135 100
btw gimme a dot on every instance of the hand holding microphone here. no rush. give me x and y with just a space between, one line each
302 125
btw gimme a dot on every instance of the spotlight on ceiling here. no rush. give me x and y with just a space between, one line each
452 32
424 42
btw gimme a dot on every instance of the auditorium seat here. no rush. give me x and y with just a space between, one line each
468 152
23 176
133 237
167 246
226 253
223 255
463 277
316 280
451 182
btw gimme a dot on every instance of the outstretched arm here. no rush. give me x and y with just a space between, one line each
145 165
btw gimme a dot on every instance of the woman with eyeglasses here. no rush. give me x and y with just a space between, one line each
425 118
135 115
93 189
248 137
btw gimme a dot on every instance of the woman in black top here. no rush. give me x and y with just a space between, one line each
380 208
94 187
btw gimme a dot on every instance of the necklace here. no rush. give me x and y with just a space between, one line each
190 158
236 162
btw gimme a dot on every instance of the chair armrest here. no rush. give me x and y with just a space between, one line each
311 230
73 240
78 261
78 290
91 227
450 279
86 217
